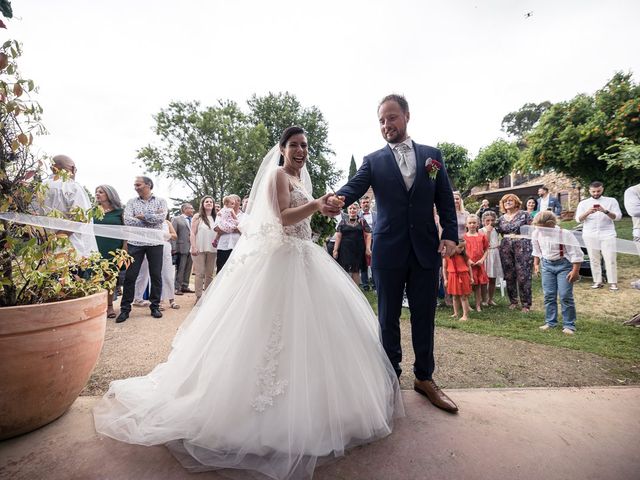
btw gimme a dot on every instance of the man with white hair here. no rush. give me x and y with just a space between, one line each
64 194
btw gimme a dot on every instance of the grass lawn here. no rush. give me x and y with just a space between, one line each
600 314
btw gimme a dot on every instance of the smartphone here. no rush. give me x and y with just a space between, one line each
596 205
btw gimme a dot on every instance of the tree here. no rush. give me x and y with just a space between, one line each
588 135
352 168
456 159
519 123
277 111
213 151
493 161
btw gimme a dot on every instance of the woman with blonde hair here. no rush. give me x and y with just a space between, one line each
515 252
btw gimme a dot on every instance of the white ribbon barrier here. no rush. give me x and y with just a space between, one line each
122 232
569 237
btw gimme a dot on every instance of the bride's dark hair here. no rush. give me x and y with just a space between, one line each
286 135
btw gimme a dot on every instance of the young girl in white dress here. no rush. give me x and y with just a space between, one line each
492 264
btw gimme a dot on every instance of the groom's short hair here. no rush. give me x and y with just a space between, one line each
399 99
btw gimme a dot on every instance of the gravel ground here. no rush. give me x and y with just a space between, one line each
463 360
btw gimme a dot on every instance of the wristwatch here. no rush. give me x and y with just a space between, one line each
606 212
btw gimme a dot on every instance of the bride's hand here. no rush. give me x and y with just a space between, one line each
329 205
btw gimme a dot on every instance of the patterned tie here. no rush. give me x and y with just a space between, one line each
406 170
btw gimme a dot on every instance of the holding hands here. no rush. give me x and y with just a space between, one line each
330 204
447 248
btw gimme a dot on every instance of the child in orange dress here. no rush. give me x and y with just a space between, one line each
477 250
458 280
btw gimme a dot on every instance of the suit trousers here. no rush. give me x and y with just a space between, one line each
183 271
422 289
154 256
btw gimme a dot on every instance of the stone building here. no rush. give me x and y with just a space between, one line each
561 186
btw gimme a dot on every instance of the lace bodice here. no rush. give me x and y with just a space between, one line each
302 229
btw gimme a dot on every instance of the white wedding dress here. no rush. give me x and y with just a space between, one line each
278 366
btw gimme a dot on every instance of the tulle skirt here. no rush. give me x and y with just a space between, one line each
279 365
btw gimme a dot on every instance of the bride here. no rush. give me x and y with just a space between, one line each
280 364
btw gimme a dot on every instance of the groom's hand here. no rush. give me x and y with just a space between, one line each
330 204
447 248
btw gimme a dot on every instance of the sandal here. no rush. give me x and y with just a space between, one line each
175 306
111 314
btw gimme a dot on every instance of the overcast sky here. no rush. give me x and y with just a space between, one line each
104 68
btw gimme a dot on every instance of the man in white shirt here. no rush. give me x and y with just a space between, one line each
632 205
64 195
599 233
227 241
547 202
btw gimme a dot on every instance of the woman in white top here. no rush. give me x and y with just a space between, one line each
203 252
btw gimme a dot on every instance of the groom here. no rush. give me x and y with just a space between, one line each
408 179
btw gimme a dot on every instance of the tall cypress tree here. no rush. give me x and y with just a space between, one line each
352 168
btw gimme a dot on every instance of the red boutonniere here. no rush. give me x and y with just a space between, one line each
432 167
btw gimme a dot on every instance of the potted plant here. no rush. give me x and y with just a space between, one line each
52 320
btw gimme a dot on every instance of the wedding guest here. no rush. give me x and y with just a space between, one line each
547 202
202 249
458 281
64 194
228 240
331 242
182 225
108 199
477 247
353 242
227 220
599 233
484 207
632 206
531 205
515 253
145 211
560 269
493 265
461 214
168 274
371 217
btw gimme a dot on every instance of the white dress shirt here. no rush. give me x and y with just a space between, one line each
64 195
228 241
546 245
632 204
410 157
599 224
544 203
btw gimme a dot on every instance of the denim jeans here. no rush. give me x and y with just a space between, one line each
554 284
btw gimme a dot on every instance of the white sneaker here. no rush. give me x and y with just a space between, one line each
597 285
568 331
545 327
141 303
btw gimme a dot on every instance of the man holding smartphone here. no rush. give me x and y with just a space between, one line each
599 233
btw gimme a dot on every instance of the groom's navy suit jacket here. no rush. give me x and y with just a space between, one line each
405 218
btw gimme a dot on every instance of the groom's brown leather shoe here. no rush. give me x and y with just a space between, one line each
429 389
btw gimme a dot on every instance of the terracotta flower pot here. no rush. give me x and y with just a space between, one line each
47 353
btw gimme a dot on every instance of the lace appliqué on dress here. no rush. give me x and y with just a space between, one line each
268 386
302 229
